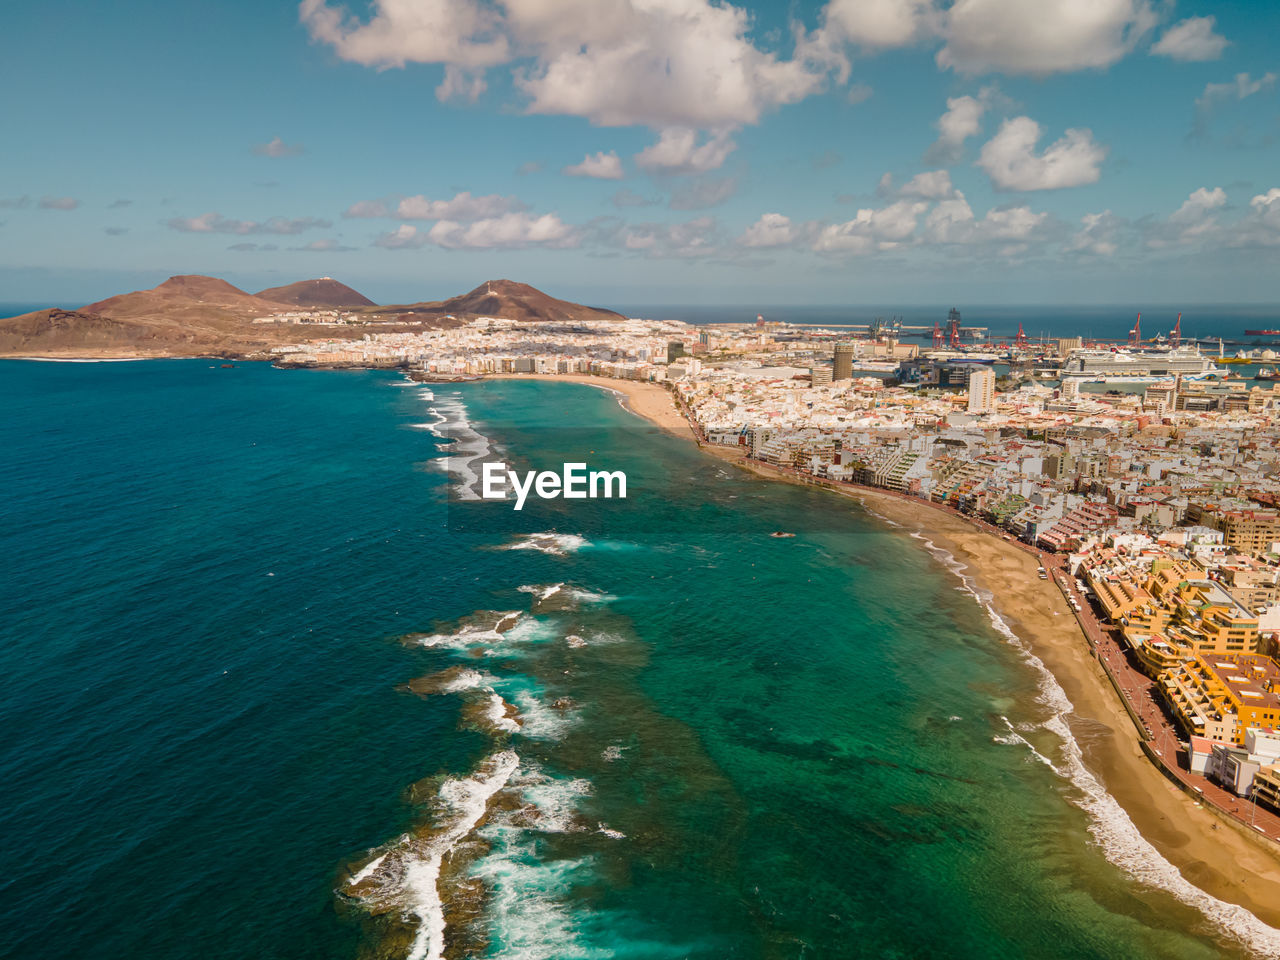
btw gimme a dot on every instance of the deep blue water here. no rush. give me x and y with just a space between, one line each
1047 321
220 580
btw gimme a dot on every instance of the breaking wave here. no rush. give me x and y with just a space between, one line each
554 544
465 448
407 876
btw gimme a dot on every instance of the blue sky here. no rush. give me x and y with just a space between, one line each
648 151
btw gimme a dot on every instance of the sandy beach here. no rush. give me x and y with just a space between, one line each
1210 852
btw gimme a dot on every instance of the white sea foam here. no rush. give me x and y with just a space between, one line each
543 592
527 914
367 870
467 680
472 634
496 714
612 752
530 630
577 595
1121 841
551 801
590 596
575 641
555 544
611 834
466 448
408 874
541 721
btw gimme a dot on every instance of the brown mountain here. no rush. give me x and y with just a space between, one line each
512 301
194 315
191 297
184 316
325 292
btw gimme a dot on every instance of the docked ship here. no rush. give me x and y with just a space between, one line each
1104 365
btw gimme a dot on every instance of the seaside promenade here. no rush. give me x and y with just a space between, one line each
1157 734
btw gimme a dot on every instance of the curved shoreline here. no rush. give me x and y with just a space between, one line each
1230 864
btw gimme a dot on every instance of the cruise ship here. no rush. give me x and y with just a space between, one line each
1138 364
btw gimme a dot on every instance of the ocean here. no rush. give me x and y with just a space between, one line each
1040 322
273 686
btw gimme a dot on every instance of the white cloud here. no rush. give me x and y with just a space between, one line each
962 120
461 83
462 207
1190 40
656 63
367 208
1010 223
403 237
1194 221
1214 93
1199 203
601 166
58 203
880 24
460 32
871 229
693 239
275 147
217 223
1242 86
511 231
952 222
1262 225
771 230
1009 158
1097 235
678 151
933 185
1041 37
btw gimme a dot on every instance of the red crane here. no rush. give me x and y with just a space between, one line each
1135 335
937 335
1175 338
953 329
1021 340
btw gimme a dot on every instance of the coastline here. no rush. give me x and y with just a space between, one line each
1210 852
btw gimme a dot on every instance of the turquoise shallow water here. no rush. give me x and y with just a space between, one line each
219 581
